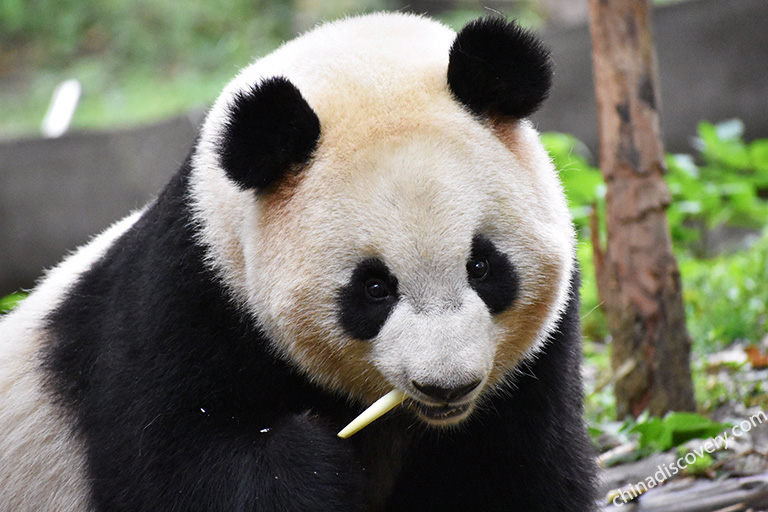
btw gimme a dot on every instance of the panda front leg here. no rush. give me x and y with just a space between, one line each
296 464
303 465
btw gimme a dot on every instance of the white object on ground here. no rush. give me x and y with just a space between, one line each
62 109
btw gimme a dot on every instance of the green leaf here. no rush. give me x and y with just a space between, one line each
684 426
700 466
594 432
758 152
653 434
722 143
9 302
675 429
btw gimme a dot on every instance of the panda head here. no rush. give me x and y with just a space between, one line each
373 196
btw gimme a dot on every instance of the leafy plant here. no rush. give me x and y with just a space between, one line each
583 183
600 407
726 185
593 323
699 467
661 434
9 302
726 297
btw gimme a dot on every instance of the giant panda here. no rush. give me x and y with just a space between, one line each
365 209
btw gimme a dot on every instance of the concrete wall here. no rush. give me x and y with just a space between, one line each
55 194
713 65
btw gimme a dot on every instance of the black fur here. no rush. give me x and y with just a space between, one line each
498 69
180 402
498 288
270 129
363 316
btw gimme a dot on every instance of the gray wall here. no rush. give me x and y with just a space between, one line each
55 194
713 65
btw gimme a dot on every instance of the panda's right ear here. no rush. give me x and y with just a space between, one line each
270 130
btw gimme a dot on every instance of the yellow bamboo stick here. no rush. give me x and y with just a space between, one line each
372 413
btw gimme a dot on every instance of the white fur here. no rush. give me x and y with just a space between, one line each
42 464
445 347
402 172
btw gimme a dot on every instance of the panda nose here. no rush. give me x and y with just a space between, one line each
443 394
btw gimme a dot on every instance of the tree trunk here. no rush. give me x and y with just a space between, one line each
637 275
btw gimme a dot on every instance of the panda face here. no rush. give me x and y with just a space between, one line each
419 246
442 352
452 281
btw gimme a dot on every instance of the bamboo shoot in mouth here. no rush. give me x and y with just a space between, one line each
372 413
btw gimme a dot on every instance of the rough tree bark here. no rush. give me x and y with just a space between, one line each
637 275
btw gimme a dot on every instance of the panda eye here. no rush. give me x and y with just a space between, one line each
491 274
376 289
478 269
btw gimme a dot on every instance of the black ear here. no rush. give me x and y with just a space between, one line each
499 69
270 129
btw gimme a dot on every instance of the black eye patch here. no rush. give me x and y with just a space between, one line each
367 300
492 275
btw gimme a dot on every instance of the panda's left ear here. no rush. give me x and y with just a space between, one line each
498 69
270 130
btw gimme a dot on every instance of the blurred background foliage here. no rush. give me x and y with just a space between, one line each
139 60
146 60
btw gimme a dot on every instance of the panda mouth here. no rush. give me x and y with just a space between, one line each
444 414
